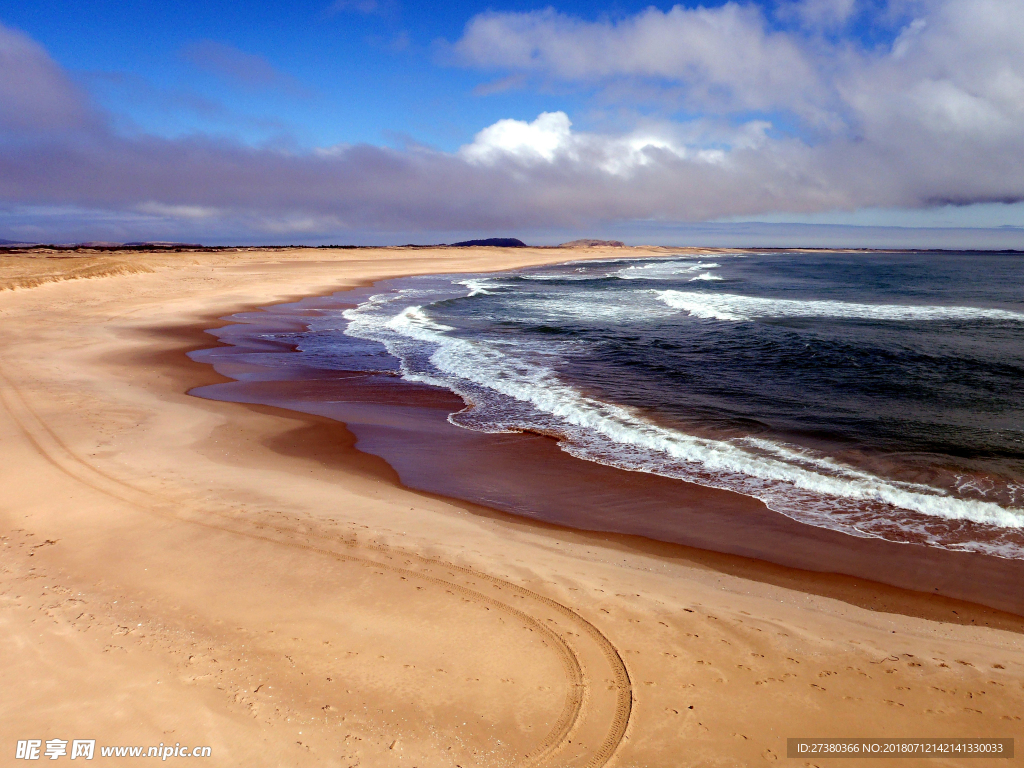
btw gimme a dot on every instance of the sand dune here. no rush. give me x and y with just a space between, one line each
179 570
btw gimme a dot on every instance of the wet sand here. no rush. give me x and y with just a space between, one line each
242 576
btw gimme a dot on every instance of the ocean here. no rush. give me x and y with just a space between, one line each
877 395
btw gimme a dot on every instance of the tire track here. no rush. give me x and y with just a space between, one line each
578 659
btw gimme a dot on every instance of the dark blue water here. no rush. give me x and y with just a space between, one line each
876 394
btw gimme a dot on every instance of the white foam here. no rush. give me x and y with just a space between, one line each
603 431
589 306
664 270
705 276
566 277
479 287
731 307
802 456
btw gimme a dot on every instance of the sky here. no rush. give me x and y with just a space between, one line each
869 123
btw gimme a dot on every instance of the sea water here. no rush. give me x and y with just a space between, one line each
876 394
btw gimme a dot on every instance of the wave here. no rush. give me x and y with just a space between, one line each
478 287
731 307
664 271
561 278
580 306
679 267
507 391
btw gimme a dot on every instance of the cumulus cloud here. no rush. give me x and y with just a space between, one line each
550 139
543 139
791 120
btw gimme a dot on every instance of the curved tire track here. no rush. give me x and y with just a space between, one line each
578 657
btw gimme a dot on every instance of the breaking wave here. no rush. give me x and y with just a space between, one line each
507 388
725 306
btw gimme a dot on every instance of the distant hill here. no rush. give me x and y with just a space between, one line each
103 245
161 244
585 243
501 242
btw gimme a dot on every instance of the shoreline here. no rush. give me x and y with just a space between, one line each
490 458
190 570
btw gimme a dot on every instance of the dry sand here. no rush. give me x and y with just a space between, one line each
179 570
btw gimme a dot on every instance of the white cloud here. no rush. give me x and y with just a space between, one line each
727 57
956 57
545 138
935 116
550 139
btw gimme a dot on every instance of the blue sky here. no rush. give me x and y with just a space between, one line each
382 120
362 71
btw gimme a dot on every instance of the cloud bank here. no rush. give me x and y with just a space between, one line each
794 113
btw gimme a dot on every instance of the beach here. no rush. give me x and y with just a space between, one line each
181 570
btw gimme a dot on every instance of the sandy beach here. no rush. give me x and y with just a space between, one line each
178 570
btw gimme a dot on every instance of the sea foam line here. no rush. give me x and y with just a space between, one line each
664 271
479 287
732 307
460 362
